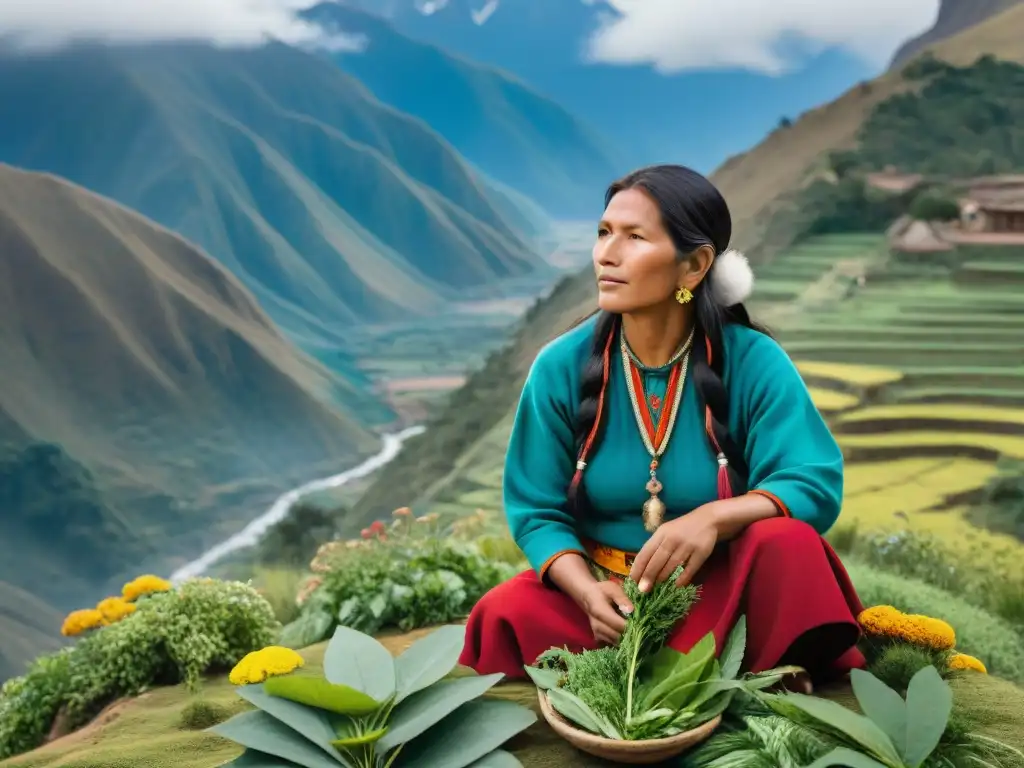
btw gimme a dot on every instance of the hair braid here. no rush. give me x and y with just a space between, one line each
591 412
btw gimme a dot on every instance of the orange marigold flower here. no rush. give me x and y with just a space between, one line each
963 661
114 609
81 621
925 631
144 585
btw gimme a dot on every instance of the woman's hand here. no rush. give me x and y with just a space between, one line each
688 540
605 602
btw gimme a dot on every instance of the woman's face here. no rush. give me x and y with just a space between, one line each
634 258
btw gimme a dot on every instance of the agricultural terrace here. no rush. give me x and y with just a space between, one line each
920 371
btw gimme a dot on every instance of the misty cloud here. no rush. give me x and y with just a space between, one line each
769 37
45 23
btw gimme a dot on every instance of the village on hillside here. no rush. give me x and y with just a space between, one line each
990 212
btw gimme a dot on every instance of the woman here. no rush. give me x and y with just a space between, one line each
669 430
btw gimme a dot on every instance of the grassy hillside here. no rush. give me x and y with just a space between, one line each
331 207
765 188
148 408
496 121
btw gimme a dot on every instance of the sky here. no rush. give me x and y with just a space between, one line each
671 35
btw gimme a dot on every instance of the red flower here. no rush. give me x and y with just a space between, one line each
377 527
366 533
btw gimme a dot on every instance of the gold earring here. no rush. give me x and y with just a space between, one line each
683 295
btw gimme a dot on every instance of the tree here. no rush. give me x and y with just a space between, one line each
932 206
293 540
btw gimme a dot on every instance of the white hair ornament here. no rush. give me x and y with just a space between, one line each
732 280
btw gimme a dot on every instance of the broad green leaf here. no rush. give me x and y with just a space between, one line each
848 757
575 710
428 659
883 705
731 658
856 727
470 733
306 720
431 705
670 670
929 704
253 759
499 758
316 692
311 627
260 731
359 740
712 708
545 679
357 660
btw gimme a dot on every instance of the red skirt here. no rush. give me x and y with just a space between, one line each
800 606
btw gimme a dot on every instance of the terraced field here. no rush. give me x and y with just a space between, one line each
921 373
919 369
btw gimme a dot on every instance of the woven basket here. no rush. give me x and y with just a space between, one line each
640 752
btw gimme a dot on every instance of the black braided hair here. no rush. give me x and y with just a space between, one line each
694 213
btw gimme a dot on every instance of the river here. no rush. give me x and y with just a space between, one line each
251 534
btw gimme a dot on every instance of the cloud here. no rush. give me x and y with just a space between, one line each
46 23
770 36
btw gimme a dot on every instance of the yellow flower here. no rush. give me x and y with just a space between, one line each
257 666
78 622
963 661
114 609
144 585
925 631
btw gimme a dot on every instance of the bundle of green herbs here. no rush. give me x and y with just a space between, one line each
642 689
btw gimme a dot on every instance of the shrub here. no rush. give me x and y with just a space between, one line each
980 577
171 637
979 633
931 206
407 575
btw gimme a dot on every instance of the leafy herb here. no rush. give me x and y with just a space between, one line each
642 689
892 732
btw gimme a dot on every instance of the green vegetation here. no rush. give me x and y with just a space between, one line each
405 575
165 637
159 729
371 710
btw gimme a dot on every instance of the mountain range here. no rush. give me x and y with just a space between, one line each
496 121
332 207
148 405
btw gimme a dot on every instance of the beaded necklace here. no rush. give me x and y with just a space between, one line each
655 438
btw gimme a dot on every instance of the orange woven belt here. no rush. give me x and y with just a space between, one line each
609 558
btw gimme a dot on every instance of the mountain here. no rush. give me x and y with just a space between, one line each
148 407
694 117
331 207
493 119
462 448
954 16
